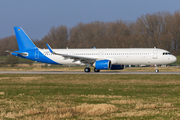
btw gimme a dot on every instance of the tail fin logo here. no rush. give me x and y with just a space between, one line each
18 29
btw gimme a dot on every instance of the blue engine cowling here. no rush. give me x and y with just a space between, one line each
117 67
102 64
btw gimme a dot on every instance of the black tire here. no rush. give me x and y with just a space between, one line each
156 70
96 70
87 70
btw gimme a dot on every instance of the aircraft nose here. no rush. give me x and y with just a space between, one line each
174 58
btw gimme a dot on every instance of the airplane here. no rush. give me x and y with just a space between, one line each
100 59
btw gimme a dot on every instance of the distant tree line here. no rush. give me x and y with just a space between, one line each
161 29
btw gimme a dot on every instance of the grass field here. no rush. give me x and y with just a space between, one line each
51 97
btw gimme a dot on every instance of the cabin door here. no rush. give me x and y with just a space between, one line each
155 54
37 54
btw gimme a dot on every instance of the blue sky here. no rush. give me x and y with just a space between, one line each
36 17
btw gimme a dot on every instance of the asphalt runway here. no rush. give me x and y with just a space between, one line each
81 72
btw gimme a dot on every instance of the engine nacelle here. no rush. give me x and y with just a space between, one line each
102 64
117 67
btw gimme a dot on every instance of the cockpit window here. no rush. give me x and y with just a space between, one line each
166 53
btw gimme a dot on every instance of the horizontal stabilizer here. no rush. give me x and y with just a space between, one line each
19 53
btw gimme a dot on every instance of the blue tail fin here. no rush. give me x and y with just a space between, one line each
24 42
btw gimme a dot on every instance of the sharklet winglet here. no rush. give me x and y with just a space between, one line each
50 49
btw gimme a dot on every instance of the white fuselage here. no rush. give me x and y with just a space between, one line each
133 56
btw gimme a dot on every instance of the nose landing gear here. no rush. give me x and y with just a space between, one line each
156 69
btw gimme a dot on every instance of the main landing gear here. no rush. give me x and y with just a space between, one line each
96 70
156 69
87 70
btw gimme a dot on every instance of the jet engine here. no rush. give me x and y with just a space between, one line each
102 64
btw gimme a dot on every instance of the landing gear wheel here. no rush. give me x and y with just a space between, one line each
156 70
87 70
156 67
96 70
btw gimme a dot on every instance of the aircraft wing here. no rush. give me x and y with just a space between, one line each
85 60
